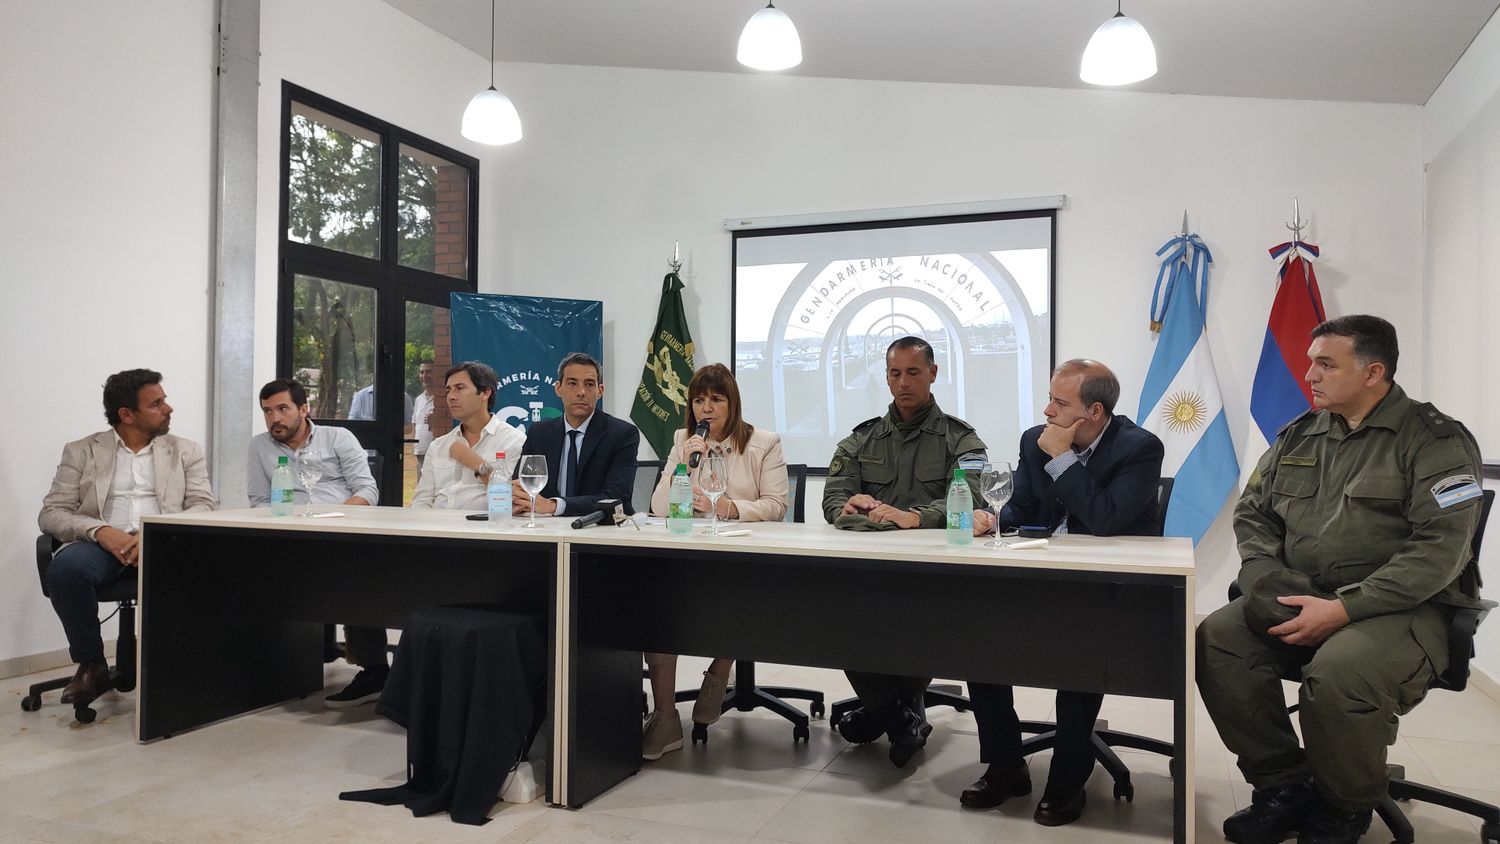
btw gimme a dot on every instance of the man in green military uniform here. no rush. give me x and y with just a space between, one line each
893 473
1371 499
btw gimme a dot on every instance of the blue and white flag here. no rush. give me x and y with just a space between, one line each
1180 401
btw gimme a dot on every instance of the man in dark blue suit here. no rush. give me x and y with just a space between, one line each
1084 471
590 454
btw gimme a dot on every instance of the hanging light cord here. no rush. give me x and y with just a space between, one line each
492 43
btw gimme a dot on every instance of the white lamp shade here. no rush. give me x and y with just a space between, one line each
770 41
1120 53
491 118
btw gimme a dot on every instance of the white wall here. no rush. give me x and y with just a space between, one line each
106 227
1461 149
617 163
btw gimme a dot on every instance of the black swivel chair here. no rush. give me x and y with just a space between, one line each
1044 733
332 647
743 694
1455 679
123 675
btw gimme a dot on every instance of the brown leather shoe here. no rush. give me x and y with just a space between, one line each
999 783
91 681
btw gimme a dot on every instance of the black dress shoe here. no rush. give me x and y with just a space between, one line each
908 732
1060 809
858 727
999 783
1330 825
1272 816
89 682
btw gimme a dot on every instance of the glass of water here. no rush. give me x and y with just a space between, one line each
996 483
533 476
714 481
309 472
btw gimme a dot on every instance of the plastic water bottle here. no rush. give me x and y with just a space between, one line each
498 494
680 502
960 511
281 488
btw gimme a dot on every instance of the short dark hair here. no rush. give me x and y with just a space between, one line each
581 359
1099 383
1374 339
285 385
123 389
481 376
910 342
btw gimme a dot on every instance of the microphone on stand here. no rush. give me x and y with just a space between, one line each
700 431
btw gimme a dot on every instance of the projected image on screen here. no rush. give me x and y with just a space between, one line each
815 311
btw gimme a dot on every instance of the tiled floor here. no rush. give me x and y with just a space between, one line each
275 776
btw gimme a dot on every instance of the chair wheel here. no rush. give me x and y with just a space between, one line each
85 715
31 703
801 733
815 710
1126 790
125 684
700 733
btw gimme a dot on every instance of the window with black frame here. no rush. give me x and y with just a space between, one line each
378 228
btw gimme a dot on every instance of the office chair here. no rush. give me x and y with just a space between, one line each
743 694
1455 679
123 675
1044 733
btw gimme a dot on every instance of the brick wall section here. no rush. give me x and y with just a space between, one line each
451 219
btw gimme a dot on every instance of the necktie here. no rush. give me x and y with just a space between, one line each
570 473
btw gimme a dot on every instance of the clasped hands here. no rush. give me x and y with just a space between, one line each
1316 620
125 547
878 511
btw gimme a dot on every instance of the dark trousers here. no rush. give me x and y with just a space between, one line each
367 647
1000 733
882 692
74 578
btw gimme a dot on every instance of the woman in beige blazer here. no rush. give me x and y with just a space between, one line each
757 493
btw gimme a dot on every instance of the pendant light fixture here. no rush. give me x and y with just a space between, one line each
491 118
769 41
1120 53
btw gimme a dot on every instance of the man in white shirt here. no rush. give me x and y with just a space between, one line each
456 472
423 409
344 480
103 486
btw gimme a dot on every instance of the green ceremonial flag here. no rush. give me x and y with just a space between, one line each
661 399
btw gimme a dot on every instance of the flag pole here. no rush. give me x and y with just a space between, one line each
676 262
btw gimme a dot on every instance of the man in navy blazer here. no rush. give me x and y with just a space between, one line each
1084 471
590 454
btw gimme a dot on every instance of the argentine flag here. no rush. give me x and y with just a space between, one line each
1180 401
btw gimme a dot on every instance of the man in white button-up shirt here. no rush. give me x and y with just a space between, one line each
455 474
103 486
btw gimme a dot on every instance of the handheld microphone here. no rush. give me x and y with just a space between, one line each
700 431
593 518
604 508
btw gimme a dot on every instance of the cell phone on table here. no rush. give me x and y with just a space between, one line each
1033 531
478 517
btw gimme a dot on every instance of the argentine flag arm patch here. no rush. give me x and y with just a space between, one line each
1455 489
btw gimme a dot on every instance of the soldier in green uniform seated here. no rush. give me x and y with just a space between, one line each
892 473
1374 497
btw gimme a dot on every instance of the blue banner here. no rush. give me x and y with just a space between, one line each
522 338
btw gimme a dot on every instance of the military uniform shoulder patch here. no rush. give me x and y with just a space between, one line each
836 466
1439 423
1455 489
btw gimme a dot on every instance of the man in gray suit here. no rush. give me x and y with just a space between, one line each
104 484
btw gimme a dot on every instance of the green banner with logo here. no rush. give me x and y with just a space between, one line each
661 399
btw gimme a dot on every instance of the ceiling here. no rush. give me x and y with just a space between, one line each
1390 51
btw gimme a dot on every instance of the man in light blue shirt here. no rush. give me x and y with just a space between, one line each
345 479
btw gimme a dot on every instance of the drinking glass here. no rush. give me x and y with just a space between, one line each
533 476
996 484
309 472
714 481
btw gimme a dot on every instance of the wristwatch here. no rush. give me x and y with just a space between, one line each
484 470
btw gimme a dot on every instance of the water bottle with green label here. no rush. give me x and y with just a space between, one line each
960 511
680 502
281 488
